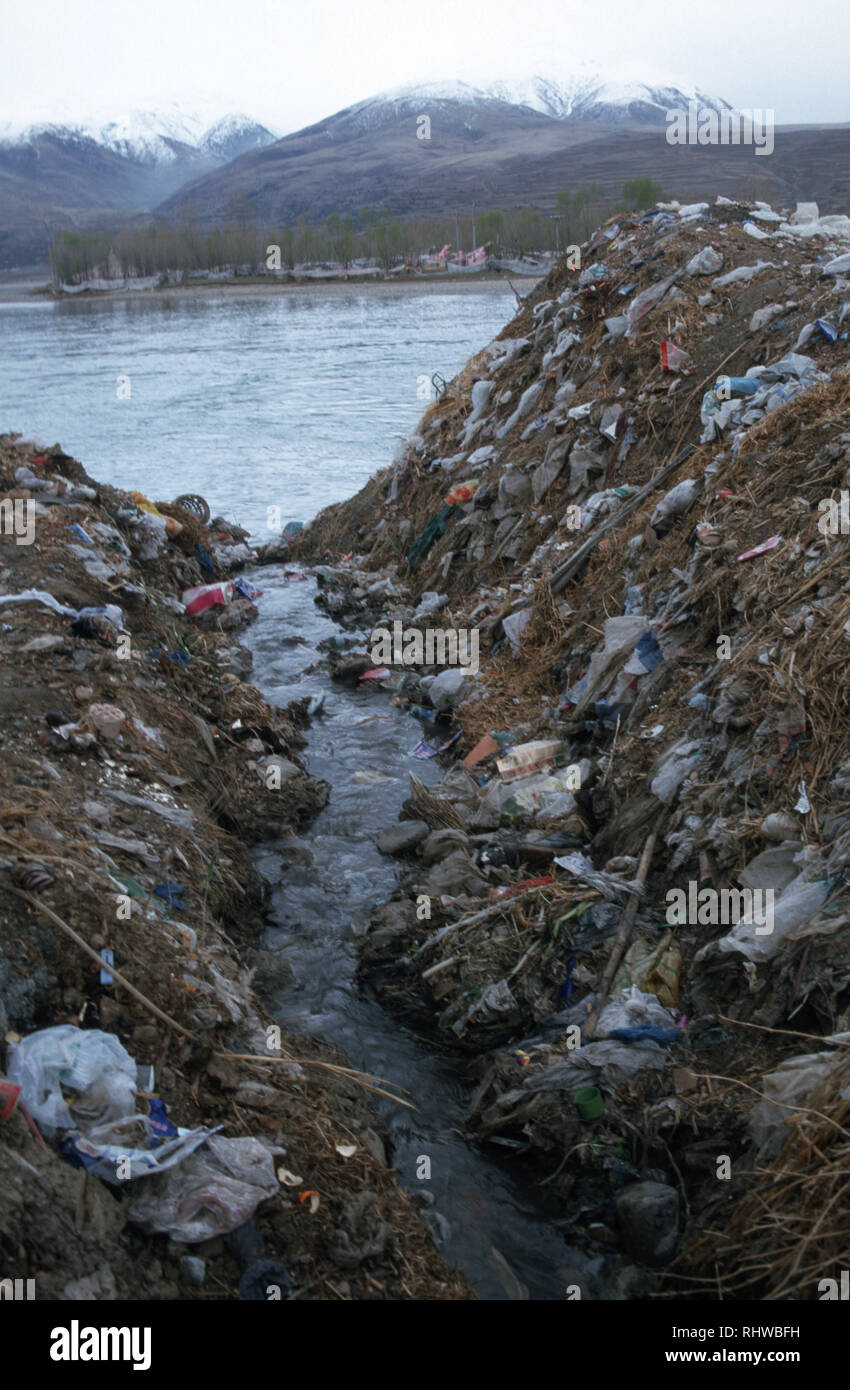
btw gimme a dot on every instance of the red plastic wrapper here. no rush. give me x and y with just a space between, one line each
516 890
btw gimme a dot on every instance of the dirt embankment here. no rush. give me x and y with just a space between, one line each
637 496
138 768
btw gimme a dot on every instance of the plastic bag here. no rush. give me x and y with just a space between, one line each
652 966
109 1151
795 915
705 262
210 1193
92 1065
789 1086
633 1008
674 359
643 302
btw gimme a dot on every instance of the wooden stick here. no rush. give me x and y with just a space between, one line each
347 1072
116 974
561 578
626 923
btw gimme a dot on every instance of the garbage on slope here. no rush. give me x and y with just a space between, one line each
656 568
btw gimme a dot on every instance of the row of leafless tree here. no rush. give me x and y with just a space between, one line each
158 248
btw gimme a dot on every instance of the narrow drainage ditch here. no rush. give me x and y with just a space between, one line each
483 1220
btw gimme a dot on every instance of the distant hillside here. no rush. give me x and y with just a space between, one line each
506 144
489 150
72 175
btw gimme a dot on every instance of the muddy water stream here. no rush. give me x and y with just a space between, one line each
483 1220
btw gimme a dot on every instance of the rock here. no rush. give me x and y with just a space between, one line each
193 1270
455 876
97 1287
258 1096
441 842
398 839
271 972
374 1145
275 770
648 1213
351 668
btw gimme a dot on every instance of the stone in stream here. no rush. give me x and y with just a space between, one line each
396 839
442 842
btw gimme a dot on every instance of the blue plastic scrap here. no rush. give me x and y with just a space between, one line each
247 590
648 651
644 1032
160 1123
566 989
108 959
205 560
172 893
180 658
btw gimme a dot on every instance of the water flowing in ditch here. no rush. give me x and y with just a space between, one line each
484 1222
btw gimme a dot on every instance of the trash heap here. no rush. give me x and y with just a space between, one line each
160 1137
627 898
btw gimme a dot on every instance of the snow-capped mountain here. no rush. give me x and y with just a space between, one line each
150 138
586 94
233 135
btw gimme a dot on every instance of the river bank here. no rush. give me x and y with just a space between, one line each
140 767
448 284
625 900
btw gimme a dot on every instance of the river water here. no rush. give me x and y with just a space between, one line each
293 401
256 401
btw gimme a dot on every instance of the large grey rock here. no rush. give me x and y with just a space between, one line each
397 839
455 876
648 1213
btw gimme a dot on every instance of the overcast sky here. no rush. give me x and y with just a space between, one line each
290 63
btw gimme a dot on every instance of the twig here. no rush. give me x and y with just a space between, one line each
618 950
84 946
783 1032
347 1072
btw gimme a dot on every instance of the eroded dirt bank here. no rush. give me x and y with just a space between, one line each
636 496
139 767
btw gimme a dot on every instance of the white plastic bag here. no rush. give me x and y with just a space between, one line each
210 1193
90 1064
